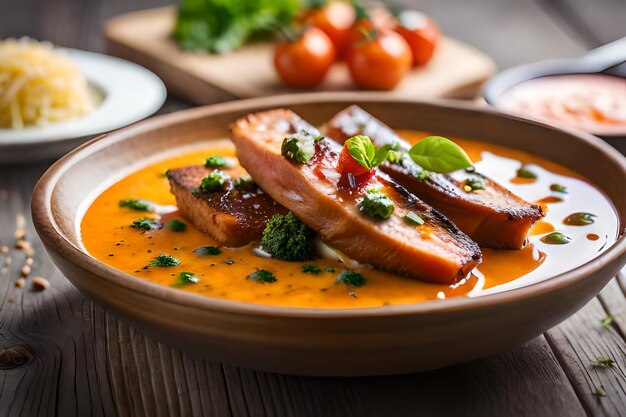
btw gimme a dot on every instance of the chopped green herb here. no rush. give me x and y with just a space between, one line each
287 238
261 275
558 188
365 153
330 269
216 162
351 278
470 170
422 175
600 392
439 154
603 363
299 147
311 269
524 172
207 250
163 261
135 204
413 218
318 138
186 278
214 181
579 219
176 225
244 181
606 321
474 183
394 157
376 204
145 224
556 238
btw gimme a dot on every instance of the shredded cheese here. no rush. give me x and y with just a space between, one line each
39 85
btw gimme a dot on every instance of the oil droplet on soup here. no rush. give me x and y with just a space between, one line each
222 272
579 219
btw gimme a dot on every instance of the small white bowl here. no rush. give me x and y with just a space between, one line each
130 93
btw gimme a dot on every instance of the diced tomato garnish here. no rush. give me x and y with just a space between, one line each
348 165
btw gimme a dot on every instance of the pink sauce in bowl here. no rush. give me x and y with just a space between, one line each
594 103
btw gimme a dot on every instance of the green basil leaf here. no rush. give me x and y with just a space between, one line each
438 154
381 155
362 150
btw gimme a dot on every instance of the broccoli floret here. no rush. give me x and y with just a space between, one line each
287 238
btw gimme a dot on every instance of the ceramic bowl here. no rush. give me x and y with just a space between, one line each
349 342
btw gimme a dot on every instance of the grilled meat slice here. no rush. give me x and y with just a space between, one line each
436 251
233 217
494 217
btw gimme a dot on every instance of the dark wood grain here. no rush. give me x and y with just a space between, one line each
61 354
582 340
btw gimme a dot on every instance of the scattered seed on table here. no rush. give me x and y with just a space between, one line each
25 271
20 283
20 234
30 261
40 283
22 244
4 249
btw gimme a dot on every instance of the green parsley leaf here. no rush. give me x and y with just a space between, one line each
207 250
413 218
603 363
186 278
330 269
351 278
176 225
376 204
136 204
216 162
299 147
524 172
439 154
163 261
311 269
215 181
558 188
556 238
606 321
145 224
262 275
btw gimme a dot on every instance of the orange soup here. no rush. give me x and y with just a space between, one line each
591 102
553 247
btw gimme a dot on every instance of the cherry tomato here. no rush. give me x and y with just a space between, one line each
348 165
378 18
335 19
304 61
380 61
420 32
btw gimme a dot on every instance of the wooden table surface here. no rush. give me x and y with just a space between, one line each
62 354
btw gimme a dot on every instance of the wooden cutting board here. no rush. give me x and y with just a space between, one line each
456 71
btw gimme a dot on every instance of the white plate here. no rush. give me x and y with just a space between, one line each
130 93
